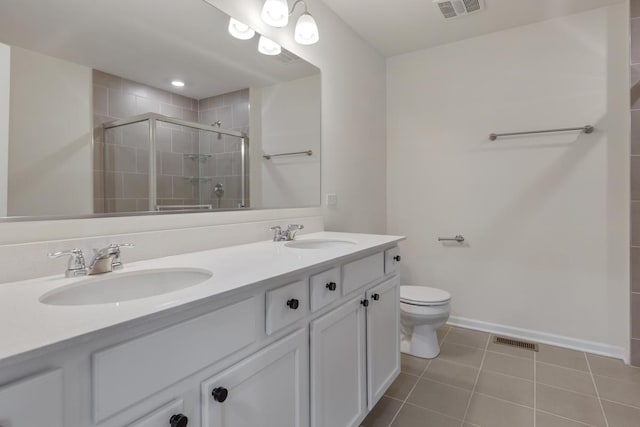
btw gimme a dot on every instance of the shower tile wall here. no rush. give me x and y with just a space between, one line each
225 164
125 184
635 182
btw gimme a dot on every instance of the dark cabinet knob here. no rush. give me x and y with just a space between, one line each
397 258
293 304
365 302
220 394
375 297
178 420
332 286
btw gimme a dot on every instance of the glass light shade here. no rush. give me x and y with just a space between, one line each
275 13
239 30
306 30
268 47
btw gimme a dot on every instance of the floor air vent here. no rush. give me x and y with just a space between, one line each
516 343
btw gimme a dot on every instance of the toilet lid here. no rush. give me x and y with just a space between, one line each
422 295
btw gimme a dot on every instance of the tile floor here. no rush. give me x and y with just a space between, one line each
476 383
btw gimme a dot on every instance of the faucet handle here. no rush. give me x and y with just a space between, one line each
76 265
292 229
117 264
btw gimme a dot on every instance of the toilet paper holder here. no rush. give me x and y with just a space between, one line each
459 238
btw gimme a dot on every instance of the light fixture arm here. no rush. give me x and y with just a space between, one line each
295 4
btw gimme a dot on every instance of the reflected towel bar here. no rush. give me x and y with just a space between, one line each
585 129
297 153
185 207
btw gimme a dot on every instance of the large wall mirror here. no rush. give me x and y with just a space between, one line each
94 119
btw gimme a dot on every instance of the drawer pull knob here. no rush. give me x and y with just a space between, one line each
178 420
397 258
375 297
293 304
332 286
365 302
220 394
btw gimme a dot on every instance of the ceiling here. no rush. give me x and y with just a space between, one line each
148 41
399 26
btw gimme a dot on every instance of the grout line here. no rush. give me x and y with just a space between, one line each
562 367
569 390
619 403
606 422
484 355
565 418
415 385
434 411
535 389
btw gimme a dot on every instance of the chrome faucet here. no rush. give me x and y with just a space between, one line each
76 266
107 259
280 235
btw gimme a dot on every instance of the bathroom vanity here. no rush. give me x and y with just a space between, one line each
281 334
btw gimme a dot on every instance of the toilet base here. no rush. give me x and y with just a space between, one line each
421 342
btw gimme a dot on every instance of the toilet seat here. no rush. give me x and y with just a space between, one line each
423 296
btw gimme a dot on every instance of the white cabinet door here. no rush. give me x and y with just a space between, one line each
338 367
33 402
267 389
383 338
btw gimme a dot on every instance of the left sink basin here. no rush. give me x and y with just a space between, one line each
119 287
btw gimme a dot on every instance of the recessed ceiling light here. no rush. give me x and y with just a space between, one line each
177 83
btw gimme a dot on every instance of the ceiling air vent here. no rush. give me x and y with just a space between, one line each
455 8
286 57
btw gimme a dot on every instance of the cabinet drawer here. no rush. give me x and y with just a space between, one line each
286 304
391 260
325 288
127 373
358 273
161 417
35 401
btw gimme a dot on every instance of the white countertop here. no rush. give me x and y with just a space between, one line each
27 325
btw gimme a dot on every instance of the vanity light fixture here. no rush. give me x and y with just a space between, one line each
177 83
268 47
240 30
276 14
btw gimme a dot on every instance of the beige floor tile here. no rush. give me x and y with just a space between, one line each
569 379
442 332
442 398
614 368
508 388
413 365
619 391
621 416
562 357
547 420
401 387
467 337
579 407
383 413
509 365
507 349
413 416
486 411
462 376
461 354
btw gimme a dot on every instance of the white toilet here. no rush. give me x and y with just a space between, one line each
422 311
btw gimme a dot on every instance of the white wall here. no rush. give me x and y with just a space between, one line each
50 134
5 83
290 123
545 217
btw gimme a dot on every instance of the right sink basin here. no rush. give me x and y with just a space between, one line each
318 243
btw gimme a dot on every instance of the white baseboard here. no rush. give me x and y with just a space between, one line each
543 338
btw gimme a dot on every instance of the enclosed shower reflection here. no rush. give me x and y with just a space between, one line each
153 162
